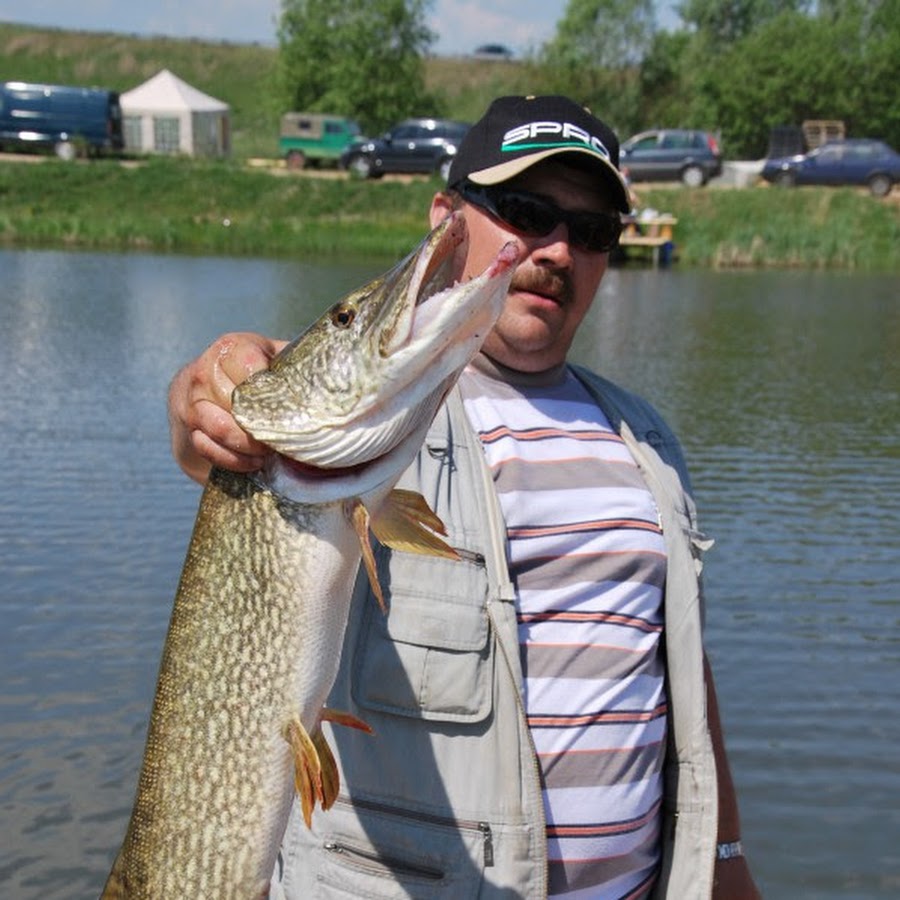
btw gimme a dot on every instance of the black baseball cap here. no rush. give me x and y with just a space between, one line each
517 132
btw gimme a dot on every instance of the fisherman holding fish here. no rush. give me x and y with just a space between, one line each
543 714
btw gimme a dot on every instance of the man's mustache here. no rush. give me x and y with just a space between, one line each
555 283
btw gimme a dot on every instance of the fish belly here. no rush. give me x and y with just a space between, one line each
254 640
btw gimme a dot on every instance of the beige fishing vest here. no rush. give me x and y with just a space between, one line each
444 800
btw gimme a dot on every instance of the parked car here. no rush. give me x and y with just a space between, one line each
493 51
855 161
671 154
68 120
314 138
415 145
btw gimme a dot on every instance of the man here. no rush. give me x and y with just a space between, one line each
545 720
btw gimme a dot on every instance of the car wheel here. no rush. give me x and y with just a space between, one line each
444 167
65 150
295 159
785 179
880 185
360 166
693 177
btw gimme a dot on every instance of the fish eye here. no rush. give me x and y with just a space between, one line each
343 316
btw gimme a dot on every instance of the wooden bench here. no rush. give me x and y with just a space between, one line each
655 233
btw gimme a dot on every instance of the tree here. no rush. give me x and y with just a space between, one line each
359 58
595 54
603 34
665 100
843 63
722 22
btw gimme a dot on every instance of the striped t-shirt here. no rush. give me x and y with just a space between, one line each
587 557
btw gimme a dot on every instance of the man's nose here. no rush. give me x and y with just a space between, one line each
553 247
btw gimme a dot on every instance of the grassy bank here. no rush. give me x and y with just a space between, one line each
840 228
225 207
206 207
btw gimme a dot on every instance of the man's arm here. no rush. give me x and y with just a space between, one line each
733 880
201 426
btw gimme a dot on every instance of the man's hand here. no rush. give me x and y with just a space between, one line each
203 431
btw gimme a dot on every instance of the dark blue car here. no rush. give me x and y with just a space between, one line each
858 161
415 145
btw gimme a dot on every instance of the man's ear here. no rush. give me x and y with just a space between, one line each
441 207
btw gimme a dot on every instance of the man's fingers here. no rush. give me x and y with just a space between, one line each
238 356
221 456
202 428
219 428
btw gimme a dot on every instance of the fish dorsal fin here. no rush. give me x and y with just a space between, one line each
404 521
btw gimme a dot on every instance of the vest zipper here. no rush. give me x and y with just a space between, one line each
472 556
484 828
504 591
366 859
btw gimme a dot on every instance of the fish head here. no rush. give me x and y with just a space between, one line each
346 405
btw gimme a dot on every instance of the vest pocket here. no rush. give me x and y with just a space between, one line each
385 855
430 657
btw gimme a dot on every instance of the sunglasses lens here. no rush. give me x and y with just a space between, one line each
597 232
526 214
529 214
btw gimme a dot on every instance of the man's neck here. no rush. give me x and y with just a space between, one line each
490 367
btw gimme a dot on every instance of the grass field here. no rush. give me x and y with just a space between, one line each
227 207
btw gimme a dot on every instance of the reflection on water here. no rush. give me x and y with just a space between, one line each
784 388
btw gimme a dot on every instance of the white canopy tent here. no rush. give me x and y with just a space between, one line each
167 115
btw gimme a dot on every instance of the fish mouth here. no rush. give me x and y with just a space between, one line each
420 329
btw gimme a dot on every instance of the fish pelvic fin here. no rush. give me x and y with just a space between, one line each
331 780
307 768
316 777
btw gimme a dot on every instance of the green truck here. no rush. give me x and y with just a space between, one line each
315 138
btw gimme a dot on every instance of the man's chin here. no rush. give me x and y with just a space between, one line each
534 349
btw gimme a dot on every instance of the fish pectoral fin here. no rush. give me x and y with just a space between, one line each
405 521
359 516
307 768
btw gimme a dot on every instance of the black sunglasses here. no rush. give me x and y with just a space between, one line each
533 215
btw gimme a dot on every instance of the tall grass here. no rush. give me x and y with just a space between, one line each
207 206
809 227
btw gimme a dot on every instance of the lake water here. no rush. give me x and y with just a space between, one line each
785 388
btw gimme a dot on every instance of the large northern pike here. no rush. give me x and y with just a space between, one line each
258 622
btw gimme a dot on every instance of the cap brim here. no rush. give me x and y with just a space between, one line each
509 169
